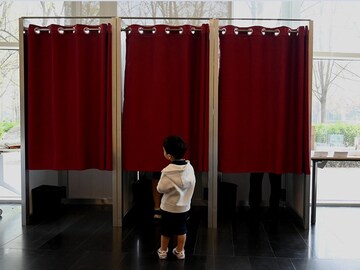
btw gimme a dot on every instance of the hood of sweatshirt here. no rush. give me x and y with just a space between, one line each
181 175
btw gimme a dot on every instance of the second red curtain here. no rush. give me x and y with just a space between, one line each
165 93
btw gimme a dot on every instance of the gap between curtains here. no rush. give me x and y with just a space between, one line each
264 101
68 97
166 92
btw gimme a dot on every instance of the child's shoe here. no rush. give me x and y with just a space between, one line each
162 253
157 214
180 255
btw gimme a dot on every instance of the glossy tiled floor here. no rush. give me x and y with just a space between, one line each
83 238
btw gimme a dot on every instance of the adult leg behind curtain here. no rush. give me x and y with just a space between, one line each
255 198
255 193
275 183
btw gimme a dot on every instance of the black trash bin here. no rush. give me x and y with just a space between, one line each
227 198
46 201
143 199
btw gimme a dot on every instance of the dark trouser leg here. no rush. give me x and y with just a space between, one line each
275 182
255 193
255 198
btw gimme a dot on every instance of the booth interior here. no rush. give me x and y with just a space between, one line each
94 126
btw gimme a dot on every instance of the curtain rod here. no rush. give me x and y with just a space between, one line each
75 17
221 30
163 18
168 18
264 19
239 19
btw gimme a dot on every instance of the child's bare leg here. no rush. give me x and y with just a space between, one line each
181 239
156 197
164 242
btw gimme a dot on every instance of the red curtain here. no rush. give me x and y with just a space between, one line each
68 97
264 100
165 93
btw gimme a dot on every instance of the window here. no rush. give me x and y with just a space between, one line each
336 66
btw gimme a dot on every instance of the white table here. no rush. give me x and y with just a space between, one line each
320 161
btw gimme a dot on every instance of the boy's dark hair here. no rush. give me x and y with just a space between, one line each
175 146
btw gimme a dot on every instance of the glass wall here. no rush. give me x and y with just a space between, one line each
336 66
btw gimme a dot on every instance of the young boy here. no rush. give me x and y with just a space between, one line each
177 183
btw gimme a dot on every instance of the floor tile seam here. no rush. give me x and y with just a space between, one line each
292 264
54 231
266 257
81 243
268 241
301 236
76 261
326 259
91 230
76 247
22 249
42 239
129 233
99 228
88 232
197 240
94 222
57 228
9 241
235 256
36 246
338 259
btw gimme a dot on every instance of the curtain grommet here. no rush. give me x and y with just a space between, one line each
222 31
38 30
87 30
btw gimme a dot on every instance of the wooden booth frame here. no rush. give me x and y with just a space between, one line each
117 94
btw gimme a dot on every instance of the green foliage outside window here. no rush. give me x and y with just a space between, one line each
349 131
5 126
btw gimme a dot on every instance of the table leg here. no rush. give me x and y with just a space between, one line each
1 168
313 198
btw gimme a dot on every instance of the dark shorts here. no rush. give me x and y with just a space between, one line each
156 175
173 223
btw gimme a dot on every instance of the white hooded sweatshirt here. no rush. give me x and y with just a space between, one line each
177 183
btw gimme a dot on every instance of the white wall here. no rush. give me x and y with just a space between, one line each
90 184
87 184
